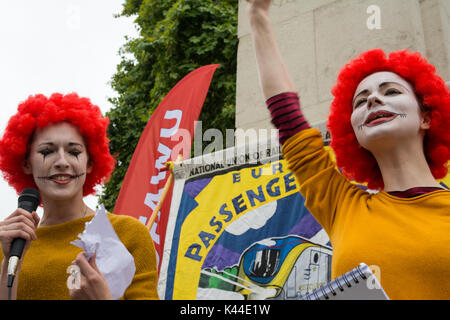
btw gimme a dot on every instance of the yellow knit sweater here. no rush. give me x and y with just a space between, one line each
43 274
407 239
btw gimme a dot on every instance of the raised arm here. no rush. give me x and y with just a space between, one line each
278 89
273 75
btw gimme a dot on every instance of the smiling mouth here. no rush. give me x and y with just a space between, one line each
380 117
62 178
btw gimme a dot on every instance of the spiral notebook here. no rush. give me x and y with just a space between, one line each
357 284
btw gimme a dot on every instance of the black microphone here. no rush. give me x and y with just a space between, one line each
28 200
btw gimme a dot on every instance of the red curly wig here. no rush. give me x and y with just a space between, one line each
38 111
357 163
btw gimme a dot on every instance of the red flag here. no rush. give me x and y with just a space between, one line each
146 174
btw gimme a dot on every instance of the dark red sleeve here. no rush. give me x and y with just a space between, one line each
286 115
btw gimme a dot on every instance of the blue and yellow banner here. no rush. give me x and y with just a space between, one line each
244 233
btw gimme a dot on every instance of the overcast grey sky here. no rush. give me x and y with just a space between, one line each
57 46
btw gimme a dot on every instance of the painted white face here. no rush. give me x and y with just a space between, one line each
58 161
386 111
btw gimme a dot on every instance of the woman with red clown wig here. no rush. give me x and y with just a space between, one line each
59 146
389 129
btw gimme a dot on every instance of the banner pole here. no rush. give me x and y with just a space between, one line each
163 196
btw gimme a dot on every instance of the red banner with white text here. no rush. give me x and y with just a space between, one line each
168 133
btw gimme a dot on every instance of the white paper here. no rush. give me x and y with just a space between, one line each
113 259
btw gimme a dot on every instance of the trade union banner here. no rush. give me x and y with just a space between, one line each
238 229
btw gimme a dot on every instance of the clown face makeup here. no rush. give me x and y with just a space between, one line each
386 110
58 161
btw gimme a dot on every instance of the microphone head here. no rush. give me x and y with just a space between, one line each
29 199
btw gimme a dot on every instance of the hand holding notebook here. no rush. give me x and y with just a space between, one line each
357 284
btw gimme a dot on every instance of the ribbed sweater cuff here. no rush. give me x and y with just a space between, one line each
286 115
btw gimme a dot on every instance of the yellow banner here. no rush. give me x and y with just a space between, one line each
226 198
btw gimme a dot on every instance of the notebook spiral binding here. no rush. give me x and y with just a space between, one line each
341 282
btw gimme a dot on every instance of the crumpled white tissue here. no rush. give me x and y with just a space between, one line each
113 259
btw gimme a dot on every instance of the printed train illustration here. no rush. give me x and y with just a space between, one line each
276 268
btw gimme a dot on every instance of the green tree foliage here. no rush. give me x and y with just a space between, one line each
175 38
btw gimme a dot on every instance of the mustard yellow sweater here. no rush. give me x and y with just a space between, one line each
407 238
43 274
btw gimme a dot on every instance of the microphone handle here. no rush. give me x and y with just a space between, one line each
17 246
